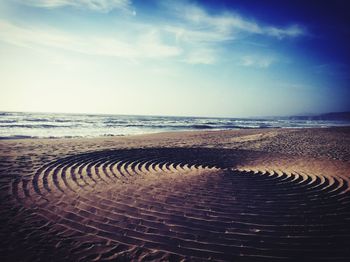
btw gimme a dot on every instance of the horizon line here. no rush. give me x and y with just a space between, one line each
183 116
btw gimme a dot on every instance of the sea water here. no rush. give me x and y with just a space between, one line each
54 125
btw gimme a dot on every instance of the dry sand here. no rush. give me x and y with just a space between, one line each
247 195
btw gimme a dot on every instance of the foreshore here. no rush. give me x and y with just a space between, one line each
174 196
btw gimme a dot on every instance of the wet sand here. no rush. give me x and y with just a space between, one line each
246 195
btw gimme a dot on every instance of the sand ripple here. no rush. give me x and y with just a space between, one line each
170 204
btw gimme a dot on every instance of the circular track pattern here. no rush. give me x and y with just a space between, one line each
173 204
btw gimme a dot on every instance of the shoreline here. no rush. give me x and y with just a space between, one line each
24 137
260 139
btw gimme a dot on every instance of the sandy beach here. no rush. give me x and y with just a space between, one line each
240 195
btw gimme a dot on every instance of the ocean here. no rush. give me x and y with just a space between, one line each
16 125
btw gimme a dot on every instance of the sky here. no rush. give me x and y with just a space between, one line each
185 58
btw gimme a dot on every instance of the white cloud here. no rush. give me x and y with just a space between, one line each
200 25
192 34
148 45
225 23
201 56
95 5
201 33
257 61
292 31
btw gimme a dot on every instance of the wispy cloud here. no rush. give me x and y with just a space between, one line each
147 45
190 33
202 33
225 25
201 56
150 45
95 5
280 33
257 61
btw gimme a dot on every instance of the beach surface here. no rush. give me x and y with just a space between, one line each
240 195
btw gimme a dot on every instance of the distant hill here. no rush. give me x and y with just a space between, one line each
340 116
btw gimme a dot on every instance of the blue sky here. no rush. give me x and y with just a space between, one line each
197 58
